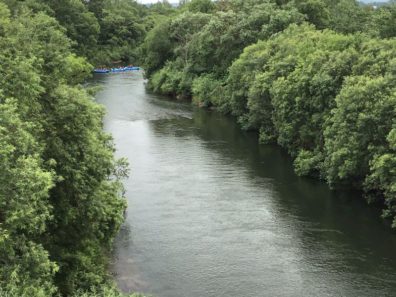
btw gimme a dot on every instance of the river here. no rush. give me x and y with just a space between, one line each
212 213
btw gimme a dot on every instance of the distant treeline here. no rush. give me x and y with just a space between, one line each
314 76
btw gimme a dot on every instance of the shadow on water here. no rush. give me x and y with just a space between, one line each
325 220
312 199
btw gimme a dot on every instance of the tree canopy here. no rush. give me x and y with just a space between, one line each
60 185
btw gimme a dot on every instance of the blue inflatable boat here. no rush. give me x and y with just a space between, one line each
101 71
118 69
123 69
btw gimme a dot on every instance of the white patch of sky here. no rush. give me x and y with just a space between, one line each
176 1
154 1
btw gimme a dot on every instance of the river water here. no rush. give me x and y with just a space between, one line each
212 213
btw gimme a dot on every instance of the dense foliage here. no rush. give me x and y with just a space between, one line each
103 31
61 200
314 76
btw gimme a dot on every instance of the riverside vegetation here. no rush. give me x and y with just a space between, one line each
315 76
61 201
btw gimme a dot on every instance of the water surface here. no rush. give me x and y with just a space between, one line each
212 213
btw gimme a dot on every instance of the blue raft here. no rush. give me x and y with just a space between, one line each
123 69
133 68
101 71
119 69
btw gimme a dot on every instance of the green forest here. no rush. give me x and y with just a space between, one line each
313 76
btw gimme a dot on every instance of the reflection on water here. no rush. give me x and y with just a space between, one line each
211 213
